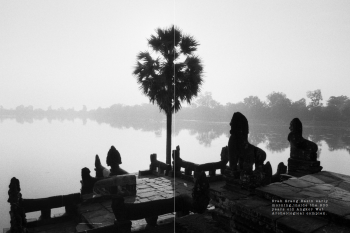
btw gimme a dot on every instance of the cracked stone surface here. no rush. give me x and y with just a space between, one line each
327 190
330 186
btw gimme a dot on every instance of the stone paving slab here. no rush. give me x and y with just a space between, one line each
331 187
298 183
345 185
100 214
330 177
338 209
278 191
312 179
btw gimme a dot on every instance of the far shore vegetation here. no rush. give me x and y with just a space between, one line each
277 109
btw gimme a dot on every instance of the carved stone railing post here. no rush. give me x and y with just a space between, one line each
157 168
192 168
45 214
176 160
153 166
17 214
212 172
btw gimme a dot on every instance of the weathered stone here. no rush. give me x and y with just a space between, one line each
301 168
95 218
345 186
144 186
340 194
144 190
126 185
264 214
297 183
291 188
158 197
252 203
159 167
337 209
332 228
148 194
341 176
328 177
299 224
323 189
312 179
278 192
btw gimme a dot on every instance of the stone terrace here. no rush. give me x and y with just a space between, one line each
247 212
236 210
96 215
99 214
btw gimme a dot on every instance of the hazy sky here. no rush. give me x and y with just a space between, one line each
73 53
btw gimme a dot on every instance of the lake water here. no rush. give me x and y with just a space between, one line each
47 155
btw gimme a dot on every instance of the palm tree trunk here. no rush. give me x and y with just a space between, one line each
168 137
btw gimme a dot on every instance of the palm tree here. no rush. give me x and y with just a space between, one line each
174 76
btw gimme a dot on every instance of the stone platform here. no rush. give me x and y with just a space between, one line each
242 211
96 215
236 210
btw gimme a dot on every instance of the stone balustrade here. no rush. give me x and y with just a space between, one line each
191 169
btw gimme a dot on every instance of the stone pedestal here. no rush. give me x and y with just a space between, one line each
302 154
248 180
236 180
302 167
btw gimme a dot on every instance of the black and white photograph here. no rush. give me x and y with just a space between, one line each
175 116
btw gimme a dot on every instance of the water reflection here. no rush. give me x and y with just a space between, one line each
274 136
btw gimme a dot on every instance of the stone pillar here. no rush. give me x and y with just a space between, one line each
17 214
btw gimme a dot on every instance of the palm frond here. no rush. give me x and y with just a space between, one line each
188 45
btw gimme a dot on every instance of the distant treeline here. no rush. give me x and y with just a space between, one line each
148 118
277 108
